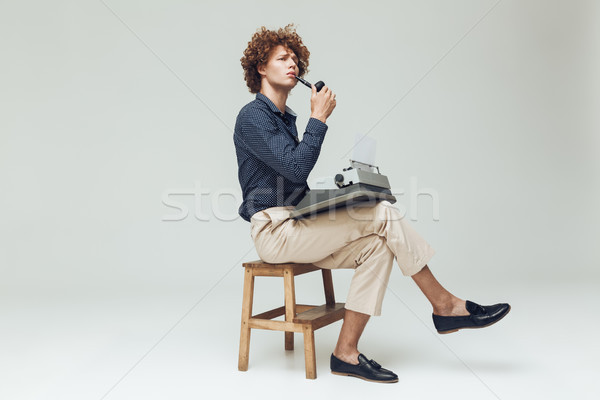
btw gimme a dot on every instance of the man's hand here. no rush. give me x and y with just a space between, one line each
322 103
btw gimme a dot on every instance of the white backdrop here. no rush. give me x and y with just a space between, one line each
106 107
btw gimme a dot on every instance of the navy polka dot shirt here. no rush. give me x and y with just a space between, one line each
273 164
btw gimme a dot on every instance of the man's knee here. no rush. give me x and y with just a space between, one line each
375 247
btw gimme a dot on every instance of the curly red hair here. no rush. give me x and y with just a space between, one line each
260 47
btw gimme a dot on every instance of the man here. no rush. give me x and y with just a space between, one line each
273 168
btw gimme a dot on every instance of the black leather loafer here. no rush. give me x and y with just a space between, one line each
479 317
368 370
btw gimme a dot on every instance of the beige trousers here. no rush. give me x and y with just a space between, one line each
365 238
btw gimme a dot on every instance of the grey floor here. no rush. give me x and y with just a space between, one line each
145 344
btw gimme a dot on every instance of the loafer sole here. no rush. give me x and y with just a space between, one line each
363 378
475 327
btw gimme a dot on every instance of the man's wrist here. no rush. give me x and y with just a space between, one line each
316 127
321 118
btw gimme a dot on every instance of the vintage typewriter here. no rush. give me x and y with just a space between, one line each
359 183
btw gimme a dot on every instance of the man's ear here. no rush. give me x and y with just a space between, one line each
261 69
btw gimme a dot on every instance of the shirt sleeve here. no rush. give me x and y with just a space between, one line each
276 147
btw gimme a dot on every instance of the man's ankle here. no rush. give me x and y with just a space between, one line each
348 356
453 307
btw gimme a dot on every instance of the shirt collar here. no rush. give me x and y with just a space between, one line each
273 107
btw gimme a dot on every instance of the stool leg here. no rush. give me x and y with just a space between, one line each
289 340
309 352
246 315
328 286
290 305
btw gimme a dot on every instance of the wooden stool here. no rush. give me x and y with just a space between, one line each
298 317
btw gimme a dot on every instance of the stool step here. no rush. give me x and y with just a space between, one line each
321 316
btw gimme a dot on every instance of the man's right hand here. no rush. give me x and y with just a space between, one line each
322 103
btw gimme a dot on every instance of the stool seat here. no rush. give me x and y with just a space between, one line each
298 317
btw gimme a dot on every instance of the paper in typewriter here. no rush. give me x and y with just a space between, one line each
364 149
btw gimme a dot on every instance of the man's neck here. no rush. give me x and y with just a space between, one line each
278 97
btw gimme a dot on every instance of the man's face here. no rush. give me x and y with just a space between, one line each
281 69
